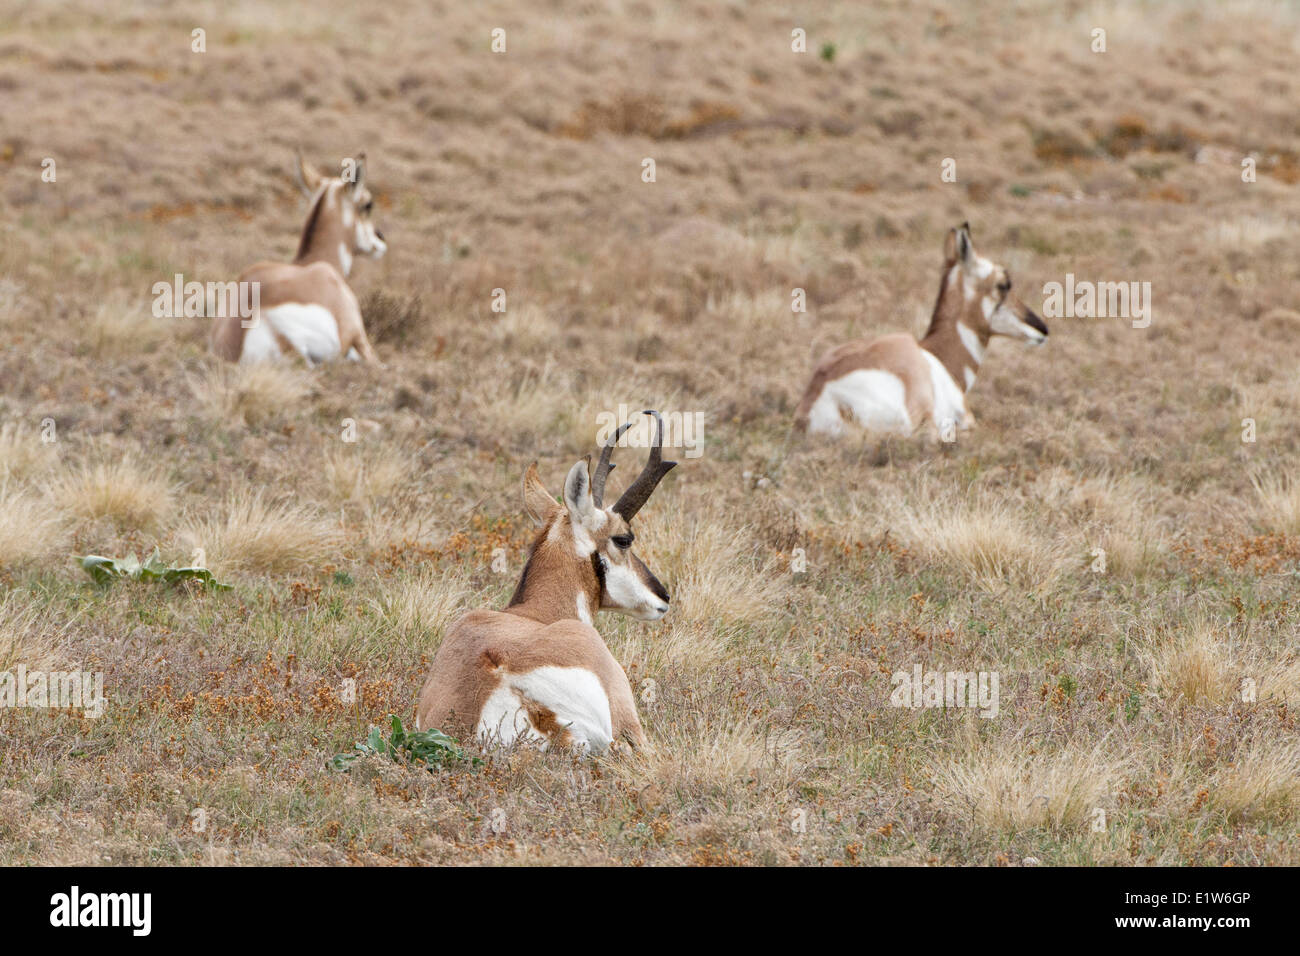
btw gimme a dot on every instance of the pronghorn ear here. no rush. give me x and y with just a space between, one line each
309 177
360 172
577 493
957 247
538 502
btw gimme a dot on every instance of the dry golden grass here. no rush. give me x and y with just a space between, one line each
1262 784
420 607
1277 505
362 474
526 327
1280 683
1118 514
23 454
30 527
27 636
252 532
249 394
1006 787
132 494
12 301
1195 664
532 406
117 331
763 693
712 754
989 541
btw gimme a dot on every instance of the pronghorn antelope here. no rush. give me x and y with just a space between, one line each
306 306
539 671
895 383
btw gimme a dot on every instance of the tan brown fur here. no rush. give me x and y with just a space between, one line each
963 292
541 626
316 276
317 283
483 644
899 353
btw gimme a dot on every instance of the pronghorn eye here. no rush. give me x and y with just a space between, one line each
370 203
623 541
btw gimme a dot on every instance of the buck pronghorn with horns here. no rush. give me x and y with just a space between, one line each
538 671
306 306
895 383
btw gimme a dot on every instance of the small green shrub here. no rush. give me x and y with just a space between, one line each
104 571
432 748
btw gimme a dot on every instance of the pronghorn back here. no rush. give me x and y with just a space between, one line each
315 293
306 307
897 384
848 379
505 678
539 671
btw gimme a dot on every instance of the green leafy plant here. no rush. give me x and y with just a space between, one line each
432 748
1132 706
828 52
1068 685
105 571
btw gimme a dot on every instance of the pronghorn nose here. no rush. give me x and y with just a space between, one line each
658 590
379 235
1034 322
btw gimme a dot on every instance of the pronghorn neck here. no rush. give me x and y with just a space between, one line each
325 234
557 585
952 337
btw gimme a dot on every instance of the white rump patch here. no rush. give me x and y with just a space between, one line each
573 694
310 329
259 345
503 719
875 399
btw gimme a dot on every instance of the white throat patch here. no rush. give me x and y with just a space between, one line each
629 594
971 341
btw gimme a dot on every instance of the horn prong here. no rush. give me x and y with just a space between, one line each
639 492
605 466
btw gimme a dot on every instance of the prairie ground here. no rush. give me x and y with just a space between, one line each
1114 539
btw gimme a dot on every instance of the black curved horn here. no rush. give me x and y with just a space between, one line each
605 466
639 492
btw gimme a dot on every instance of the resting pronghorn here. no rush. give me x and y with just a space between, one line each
895 383
538 670
306 306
